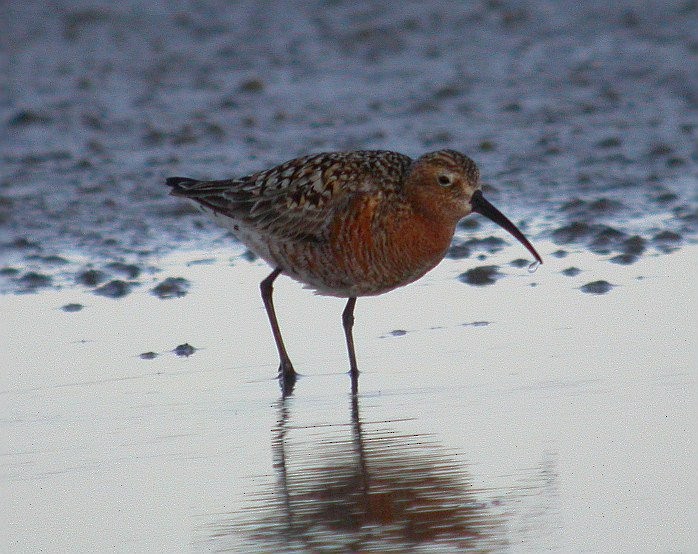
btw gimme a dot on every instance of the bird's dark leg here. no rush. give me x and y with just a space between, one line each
286 371
348 322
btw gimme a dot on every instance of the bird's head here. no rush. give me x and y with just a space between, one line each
446 185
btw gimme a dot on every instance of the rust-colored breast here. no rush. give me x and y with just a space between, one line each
379 243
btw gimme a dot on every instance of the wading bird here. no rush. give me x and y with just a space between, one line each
347 224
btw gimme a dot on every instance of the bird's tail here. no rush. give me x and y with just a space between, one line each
181 186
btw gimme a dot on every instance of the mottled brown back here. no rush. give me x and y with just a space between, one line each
298 198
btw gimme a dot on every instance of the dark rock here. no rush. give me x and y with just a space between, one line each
520 262
574 232
623 259
115 288
634 245
33 280
607 239
597 287
481 276
184 350
458 251
91 277
605 205
666 236
129 271
172 287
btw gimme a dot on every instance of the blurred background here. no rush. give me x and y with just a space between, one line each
576 112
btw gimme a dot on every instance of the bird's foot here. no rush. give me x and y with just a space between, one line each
287 377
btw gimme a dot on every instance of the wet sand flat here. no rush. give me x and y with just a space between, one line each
523 416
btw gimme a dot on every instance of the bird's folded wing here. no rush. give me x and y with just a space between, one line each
300 198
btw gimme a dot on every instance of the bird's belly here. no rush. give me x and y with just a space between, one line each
336 268
334 271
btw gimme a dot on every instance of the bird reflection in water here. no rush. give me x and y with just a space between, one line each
364 487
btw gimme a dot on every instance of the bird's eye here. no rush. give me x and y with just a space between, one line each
444 180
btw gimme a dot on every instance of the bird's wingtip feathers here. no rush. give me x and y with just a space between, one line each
180 185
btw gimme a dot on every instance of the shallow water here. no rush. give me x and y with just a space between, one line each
526 415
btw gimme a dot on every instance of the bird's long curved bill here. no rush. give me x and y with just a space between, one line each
481 206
